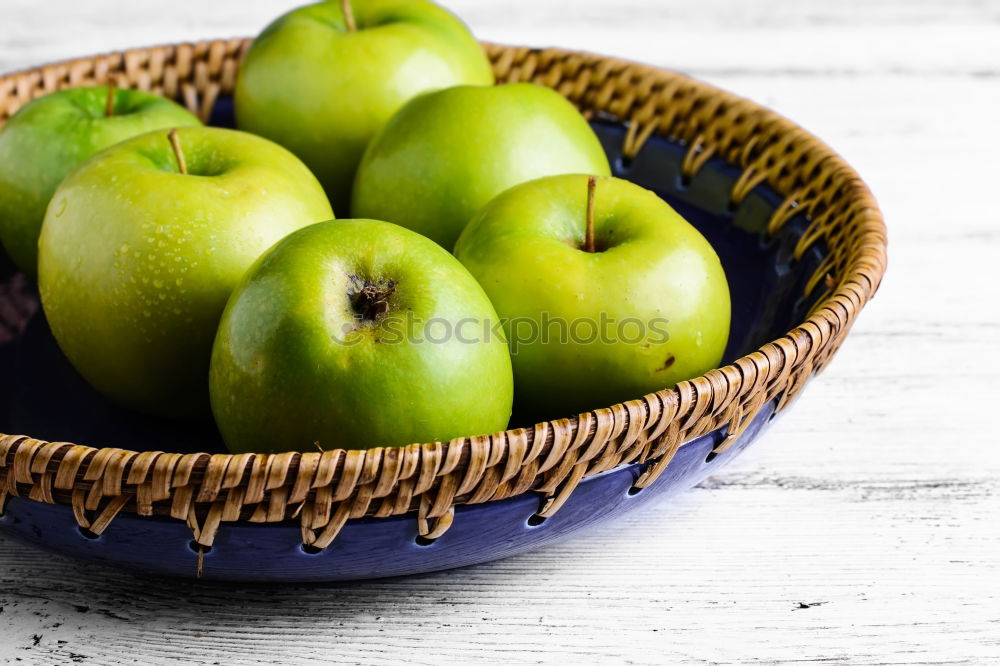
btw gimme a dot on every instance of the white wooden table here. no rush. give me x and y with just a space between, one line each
864 529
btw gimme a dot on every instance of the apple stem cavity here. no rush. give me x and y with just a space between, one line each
345 5
175 143
589 244
109 104
371 300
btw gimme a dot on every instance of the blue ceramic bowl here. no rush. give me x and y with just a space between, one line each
766 285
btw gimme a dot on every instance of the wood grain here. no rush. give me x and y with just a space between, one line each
863 530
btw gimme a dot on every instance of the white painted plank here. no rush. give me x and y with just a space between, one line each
894 37
902 571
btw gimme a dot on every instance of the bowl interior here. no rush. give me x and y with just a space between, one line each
49 400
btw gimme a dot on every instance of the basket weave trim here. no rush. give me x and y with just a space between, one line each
323 490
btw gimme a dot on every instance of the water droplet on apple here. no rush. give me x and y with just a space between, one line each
61 207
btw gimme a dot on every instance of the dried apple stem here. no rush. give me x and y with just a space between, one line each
589 238
345 5
175 143
109 104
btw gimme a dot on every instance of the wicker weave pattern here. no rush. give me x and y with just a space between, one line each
323 490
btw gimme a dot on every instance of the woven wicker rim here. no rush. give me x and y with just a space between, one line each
323 490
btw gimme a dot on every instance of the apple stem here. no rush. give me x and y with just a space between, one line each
345 5
109 105
175 143
589 245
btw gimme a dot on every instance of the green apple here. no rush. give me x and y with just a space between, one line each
637 304
143 244
355 334
446 154
321 82
49 137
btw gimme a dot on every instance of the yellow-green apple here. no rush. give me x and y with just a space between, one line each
322 79
355 334
142 245
596 313
445 154
50 136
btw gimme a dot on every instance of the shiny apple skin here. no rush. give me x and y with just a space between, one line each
446 154
322 91
293 367
137 260
524 247
49 137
